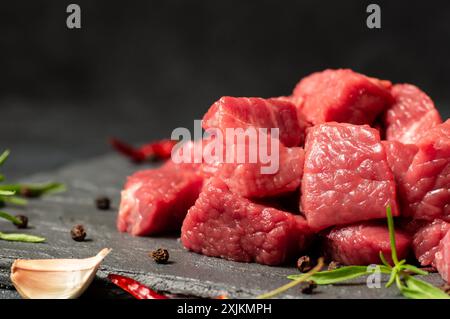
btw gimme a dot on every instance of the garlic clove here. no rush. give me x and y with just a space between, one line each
55 278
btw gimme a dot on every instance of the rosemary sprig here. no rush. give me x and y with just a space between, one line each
4 156
293 283
409 286
9 217
33 190
400 273
14 193
8 195
25 238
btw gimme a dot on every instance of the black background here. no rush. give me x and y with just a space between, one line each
138 69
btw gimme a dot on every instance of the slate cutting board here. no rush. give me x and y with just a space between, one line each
188 273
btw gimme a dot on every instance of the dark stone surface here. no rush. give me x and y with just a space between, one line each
187 273
138 71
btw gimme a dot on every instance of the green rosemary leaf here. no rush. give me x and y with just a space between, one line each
22 238
34 190
393 276
4 156
15 200
414 269
390 221
418 289
10 217
6 192
339 275
383 260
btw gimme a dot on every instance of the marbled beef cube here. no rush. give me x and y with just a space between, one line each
227 225
155 201
426 241
361 243
412 114
343 96
346 176
442 258
243 112
426 184
251 180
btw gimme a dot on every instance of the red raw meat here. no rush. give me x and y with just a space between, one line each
343 96
248 180
360 244
346 176
224 224
412 114
426 241
409 225
426 186
296 100
155 201
242 112
301 117
442 258
399 157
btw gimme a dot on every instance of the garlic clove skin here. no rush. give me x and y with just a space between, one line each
55 278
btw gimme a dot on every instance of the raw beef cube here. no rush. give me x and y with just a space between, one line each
343 96
346 176
426 185
156 201
412 114
224 224
301 117
399 157
426 241
361 244
409 225
249 179
442 258
242 112
296 100
384 83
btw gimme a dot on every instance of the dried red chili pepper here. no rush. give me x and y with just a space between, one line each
159 150
163 148
135 288
127 150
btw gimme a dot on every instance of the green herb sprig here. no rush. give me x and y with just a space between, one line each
400 273
14 193
25 238
409 286
302 278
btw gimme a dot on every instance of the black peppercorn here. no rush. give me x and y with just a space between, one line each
160 256
304 264
334 265
78 233
27 192
308 287
103 203
23 221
